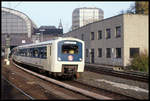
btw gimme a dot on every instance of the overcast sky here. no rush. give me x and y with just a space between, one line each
50 13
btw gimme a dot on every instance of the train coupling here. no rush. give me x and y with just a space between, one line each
69 69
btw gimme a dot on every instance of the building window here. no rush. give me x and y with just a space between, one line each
133 52
35 52
99 52
99 34
118 31
108 33
108 52
92 35
87 52
118 52
82 37
75 36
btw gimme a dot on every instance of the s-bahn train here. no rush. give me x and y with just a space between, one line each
60 56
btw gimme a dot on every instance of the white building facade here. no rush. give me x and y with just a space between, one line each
83 16
114 41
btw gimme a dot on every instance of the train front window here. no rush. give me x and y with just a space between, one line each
70 49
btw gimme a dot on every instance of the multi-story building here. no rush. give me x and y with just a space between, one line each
48 32
115 40
83 16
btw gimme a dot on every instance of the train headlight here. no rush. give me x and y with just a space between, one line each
80 59
59 58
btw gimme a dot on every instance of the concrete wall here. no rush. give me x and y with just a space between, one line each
104 43
135 34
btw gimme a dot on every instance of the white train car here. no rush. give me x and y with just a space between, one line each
61 56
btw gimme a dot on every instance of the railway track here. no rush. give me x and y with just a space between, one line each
77 90
104 94
143 77
20 93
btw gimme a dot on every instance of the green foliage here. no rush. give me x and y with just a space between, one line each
142 7
139 7
140 62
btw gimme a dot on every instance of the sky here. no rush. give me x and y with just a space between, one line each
50 13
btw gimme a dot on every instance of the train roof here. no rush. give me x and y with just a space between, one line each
49 41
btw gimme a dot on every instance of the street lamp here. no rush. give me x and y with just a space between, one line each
7 49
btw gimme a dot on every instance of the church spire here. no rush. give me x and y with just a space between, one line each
60 25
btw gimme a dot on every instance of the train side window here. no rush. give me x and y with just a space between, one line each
31 52
28 52
17 52
21 52
39 52
35 52
25 52
44 52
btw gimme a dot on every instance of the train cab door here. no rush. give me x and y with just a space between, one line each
48 57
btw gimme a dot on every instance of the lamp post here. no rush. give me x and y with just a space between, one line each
7 49
37 38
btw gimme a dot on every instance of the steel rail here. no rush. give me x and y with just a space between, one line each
123 74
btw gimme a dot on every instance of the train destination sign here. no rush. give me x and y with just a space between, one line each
69 42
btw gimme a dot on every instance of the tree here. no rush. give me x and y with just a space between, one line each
140 62
139 7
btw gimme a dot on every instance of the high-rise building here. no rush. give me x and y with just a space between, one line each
83 16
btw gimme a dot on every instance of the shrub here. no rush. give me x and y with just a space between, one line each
140 62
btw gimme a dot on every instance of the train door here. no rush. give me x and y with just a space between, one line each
92 55
48 67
